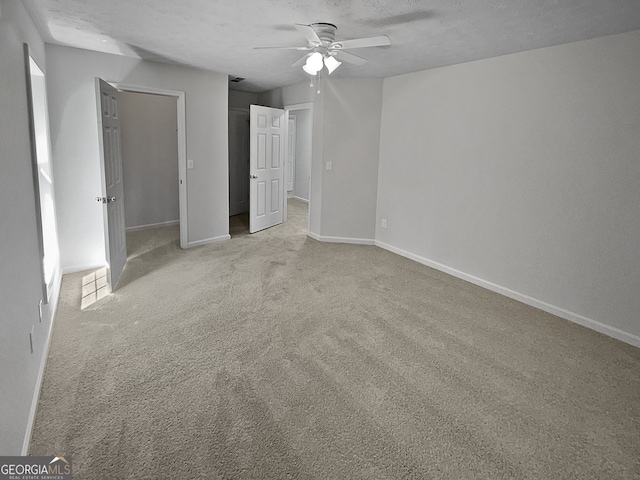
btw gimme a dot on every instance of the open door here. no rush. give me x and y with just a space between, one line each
113 197
266 167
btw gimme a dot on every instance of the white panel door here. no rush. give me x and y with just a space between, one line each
291 153
266 165
113 197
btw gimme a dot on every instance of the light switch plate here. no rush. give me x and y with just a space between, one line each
190 163
329 165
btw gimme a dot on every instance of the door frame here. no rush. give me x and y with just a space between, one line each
288 109
182 149
291 117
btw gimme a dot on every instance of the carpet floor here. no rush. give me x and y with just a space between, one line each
275 356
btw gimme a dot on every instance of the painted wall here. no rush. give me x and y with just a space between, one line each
148 125
304 138
352 112
74 134
20 277
242 100
273 98
521 173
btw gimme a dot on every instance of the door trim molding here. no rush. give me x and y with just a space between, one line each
182 150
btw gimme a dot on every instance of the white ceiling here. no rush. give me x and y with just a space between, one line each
219 34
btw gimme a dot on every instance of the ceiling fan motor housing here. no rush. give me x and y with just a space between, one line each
326 32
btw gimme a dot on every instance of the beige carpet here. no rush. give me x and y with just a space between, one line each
276 356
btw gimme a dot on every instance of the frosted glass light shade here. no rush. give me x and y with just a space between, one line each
314 62
331 64
309 70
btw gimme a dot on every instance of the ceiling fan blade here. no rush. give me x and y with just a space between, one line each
282 48
309 33
301 61
379 41
349 57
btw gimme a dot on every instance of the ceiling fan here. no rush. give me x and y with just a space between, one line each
325 51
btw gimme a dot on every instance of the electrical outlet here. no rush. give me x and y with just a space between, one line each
329 165
384 223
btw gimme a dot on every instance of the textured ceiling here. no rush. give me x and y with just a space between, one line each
219 34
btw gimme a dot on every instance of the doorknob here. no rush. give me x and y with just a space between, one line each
253 176
106 199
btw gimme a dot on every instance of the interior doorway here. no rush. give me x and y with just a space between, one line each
299 149
299 145
238 161
149 125
299 153
238 171
154 159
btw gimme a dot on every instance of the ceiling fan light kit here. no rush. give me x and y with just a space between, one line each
326 51
313 64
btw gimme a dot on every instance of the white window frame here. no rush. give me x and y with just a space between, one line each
42 174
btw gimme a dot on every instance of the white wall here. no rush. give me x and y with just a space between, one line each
20 275
74 135
304 138
521 173
242 100
352 111
149 140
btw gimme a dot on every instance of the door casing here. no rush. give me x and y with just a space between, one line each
292 108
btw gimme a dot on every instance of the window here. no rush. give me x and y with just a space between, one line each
42 173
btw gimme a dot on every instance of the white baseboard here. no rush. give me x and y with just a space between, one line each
534 302
82 268
207 241
137 228
301 199
354 241
55 297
